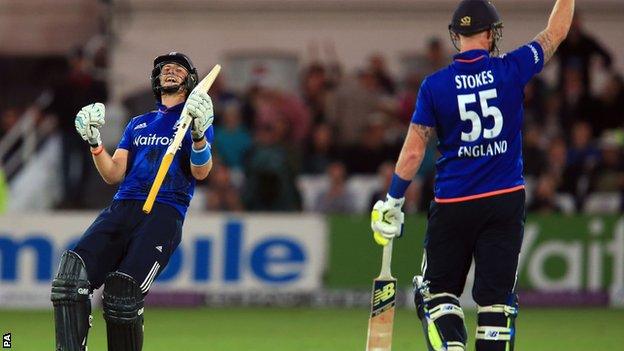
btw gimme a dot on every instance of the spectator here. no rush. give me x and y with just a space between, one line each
379 70
336 198
349 103
577 52
535 162
232 140
534 101
436 57
79 88
575 105
608 176
544 197
270 171
611 102
581 160
320 151
557 157
365 157
315 87
8 119
222 195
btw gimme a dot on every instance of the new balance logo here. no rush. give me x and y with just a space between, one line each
142 125
491 334
159 248
383 294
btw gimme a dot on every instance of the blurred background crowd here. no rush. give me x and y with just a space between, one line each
329 145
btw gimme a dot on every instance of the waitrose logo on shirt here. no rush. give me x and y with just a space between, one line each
151 140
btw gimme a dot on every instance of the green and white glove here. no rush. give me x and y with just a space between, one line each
199 106
387 220
88 122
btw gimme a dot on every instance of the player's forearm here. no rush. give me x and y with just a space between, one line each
111 171
413 151
557 29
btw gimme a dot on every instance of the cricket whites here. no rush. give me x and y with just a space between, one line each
382 306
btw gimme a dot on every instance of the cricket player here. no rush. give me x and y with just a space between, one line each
475 107
125 249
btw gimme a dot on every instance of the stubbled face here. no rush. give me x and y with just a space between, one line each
172 75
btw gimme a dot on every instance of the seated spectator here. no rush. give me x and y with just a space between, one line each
336 198
232 140
320 151
608 176
365 157
534 157
270 169
543 199
611 102
222 195
581 159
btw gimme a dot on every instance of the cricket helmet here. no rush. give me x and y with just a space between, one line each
173 57
475 16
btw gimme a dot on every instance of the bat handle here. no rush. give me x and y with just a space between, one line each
386 260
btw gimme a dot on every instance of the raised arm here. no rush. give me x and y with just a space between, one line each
557 29
111 168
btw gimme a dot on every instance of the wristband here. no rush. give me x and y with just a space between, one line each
200 157
98 150
398 186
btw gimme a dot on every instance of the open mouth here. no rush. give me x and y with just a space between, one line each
171 79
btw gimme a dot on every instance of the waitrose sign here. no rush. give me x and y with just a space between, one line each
567 254
574 254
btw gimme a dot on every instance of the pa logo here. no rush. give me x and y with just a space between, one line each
6 341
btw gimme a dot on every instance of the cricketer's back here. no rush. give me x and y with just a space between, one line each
476 107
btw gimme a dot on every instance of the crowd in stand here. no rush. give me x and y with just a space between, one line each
339 125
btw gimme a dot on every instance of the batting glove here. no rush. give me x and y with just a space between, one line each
199 106
88 121
387 220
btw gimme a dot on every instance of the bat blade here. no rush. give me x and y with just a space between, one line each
381 321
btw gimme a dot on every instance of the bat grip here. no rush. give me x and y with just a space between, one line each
386 260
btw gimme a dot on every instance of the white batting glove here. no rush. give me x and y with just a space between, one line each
199 106
88 121
387 220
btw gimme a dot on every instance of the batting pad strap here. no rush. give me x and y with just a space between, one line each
455 346
200 157
507 310
445 309
494 333
440 295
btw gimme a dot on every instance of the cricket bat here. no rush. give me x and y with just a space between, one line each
183 126
381 318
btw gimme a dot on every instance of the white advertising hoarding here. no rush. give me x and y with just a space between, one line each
218 253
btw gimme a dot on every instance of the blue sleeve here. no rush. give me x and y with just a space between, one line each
210 135
423 113
527 60
126 138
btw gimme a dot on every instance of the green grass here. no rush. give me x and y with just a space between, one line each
307 329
